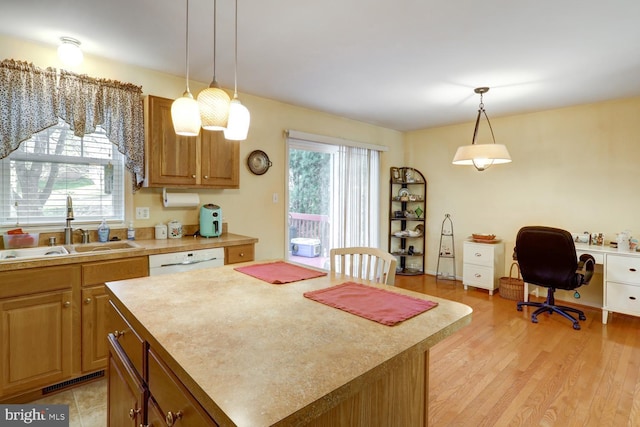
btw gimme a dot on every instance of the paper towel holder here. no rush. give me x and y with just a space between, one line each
188 204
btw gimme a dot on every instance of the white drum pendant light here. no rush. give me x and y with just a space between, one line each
239 116
213 101
184 110
481 156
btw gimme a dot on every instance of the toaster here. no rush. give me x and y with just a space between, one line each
210 220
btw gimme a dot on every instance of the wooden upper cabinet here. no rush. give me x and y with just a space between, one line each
205 161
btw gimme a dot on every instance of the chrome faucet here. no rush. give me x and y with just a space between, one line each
68 231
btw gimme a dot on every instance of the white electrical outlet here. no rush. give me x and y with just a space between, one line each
142 213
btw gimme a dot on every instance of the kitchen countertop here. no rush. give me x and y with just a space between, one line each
257 354
145 247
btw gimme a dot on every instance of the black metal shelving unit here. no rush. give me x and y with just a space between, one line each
407 219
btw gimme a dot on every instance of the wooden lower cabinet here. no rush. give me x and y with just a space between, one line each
167 402
95 305
126 392
38 328
94 328
36 341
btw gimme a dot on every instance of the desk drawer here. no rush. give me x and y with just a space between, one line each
624 298
478 276
624 269
478 254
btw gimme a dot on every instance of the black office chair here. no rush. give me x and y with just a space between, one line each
547 257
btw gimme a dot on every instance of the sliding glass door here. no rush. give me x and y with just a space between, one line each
333 199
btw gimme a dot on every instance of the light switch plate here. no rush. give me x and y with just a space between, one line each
142 213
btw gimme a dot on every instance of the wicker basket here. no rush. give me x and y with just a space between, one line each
512 287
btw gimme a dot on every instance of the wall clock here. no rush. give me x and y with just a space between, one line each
258 162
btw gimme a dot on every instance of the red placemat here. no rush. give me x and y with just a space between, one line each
279 272
371 303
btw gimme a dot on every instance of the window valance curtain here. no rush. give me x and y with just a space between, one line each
31 102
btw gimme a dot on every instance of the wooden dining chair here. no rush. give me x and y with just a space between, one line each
364 263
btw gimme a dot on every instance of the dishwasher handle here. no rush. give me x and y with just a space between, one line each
189 262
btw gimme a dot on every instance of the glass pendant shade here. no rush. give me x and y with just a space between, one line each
214 108
481 155
185 115
69 52
239 120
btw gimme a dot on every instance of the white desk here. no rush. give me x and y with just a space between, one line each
621 281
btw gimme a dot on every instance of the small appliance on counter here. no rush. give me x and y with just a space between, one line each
210 220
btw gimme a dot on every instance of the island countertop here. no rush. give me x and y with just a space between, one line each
258 354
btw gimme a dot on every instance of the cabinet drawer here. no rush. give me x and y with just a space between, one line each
172 397
479 276
35 280
94 273
478 254
239 253
127 337
624 298
623 269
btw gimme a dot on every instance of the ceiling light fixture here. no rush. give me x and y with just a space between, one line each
481 156
184 110
239 116
213 101
69 52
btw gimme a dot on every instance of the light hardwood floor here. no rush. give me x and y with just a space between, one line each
503 370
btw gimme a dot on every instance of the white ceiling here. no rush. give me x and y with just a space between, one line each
402 64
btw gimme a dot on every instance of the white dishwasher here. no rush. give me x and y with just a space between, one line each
177 262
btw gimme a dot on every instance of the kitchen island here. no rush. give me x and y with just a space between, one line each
250 353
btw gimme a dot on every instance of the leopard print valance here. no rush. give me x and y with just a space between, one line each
30 101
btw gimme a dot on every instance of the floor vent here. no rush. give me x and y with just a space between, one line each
69 383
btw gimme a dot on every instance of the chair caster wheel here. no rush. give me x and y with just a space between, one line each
576 326
519 308
582 317
534 319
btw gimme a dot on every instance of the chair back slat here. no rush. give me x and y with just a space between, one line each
365 263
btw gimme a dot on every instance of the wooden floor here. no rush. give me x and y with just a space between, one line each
503 370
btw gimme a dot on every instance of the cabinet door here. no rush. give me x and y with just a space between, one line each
126 392
37 340
219 161
171 159
95 304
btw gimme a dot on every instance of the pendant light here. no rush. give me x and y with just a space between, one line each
184 110
239 116
213 101
481 156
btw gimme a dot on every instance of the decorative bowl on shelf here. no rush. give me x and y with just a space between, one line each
483 236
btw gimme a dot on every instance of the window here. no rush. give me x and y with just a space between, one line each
36 179
333 196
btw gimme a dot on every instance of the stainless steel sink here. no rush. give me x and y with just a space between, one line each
38 252
107 246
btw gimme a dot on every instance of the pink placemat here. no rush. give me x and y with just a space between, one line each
279 272
371 303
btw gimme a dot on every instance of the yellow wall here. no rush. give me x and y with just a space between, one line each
575 168
248 210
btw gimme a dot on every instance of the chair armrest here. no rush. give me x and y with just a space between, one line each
586 265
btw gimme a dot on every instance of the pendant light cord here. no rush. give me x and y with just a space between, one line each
187 48
215 7
235 47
